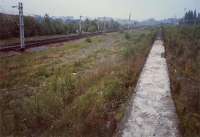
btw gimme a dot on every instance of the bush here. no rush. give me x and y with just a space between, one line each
127 36
88 40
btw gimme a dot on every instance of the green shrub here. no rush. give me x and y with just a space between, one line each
129 51
127 36
111 90
88 40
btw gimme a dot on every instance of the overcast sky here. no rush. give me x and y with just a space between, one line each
140 9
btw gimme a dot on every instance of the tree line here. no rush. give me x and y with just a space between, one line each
38 26
191 17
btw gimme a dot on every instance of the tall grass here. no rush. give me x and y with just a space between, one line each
84 98
183 56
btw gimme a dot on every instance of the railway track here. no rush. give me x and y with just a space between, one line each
37 43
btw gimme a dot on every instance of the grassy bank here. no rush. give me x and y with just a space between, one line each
79 89
183 56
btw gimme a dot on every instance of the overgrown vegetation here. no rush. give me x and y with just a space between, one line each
80 89
183 56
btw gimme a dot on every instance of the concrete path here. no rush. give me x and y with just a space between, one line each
152 111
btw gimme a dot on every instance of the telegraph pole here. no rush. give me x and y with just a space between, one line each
98 26
104 23
129 21
80 25
21 23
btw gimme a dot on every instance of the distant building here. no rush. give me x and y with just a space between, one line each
172 21
105 18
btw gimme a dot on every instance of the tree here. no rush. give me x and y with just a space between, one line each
192 17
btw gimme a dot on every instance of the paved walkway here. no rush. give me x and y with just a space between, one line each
153 112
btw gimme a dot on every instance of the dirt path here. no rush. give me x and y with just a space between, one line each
152 111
